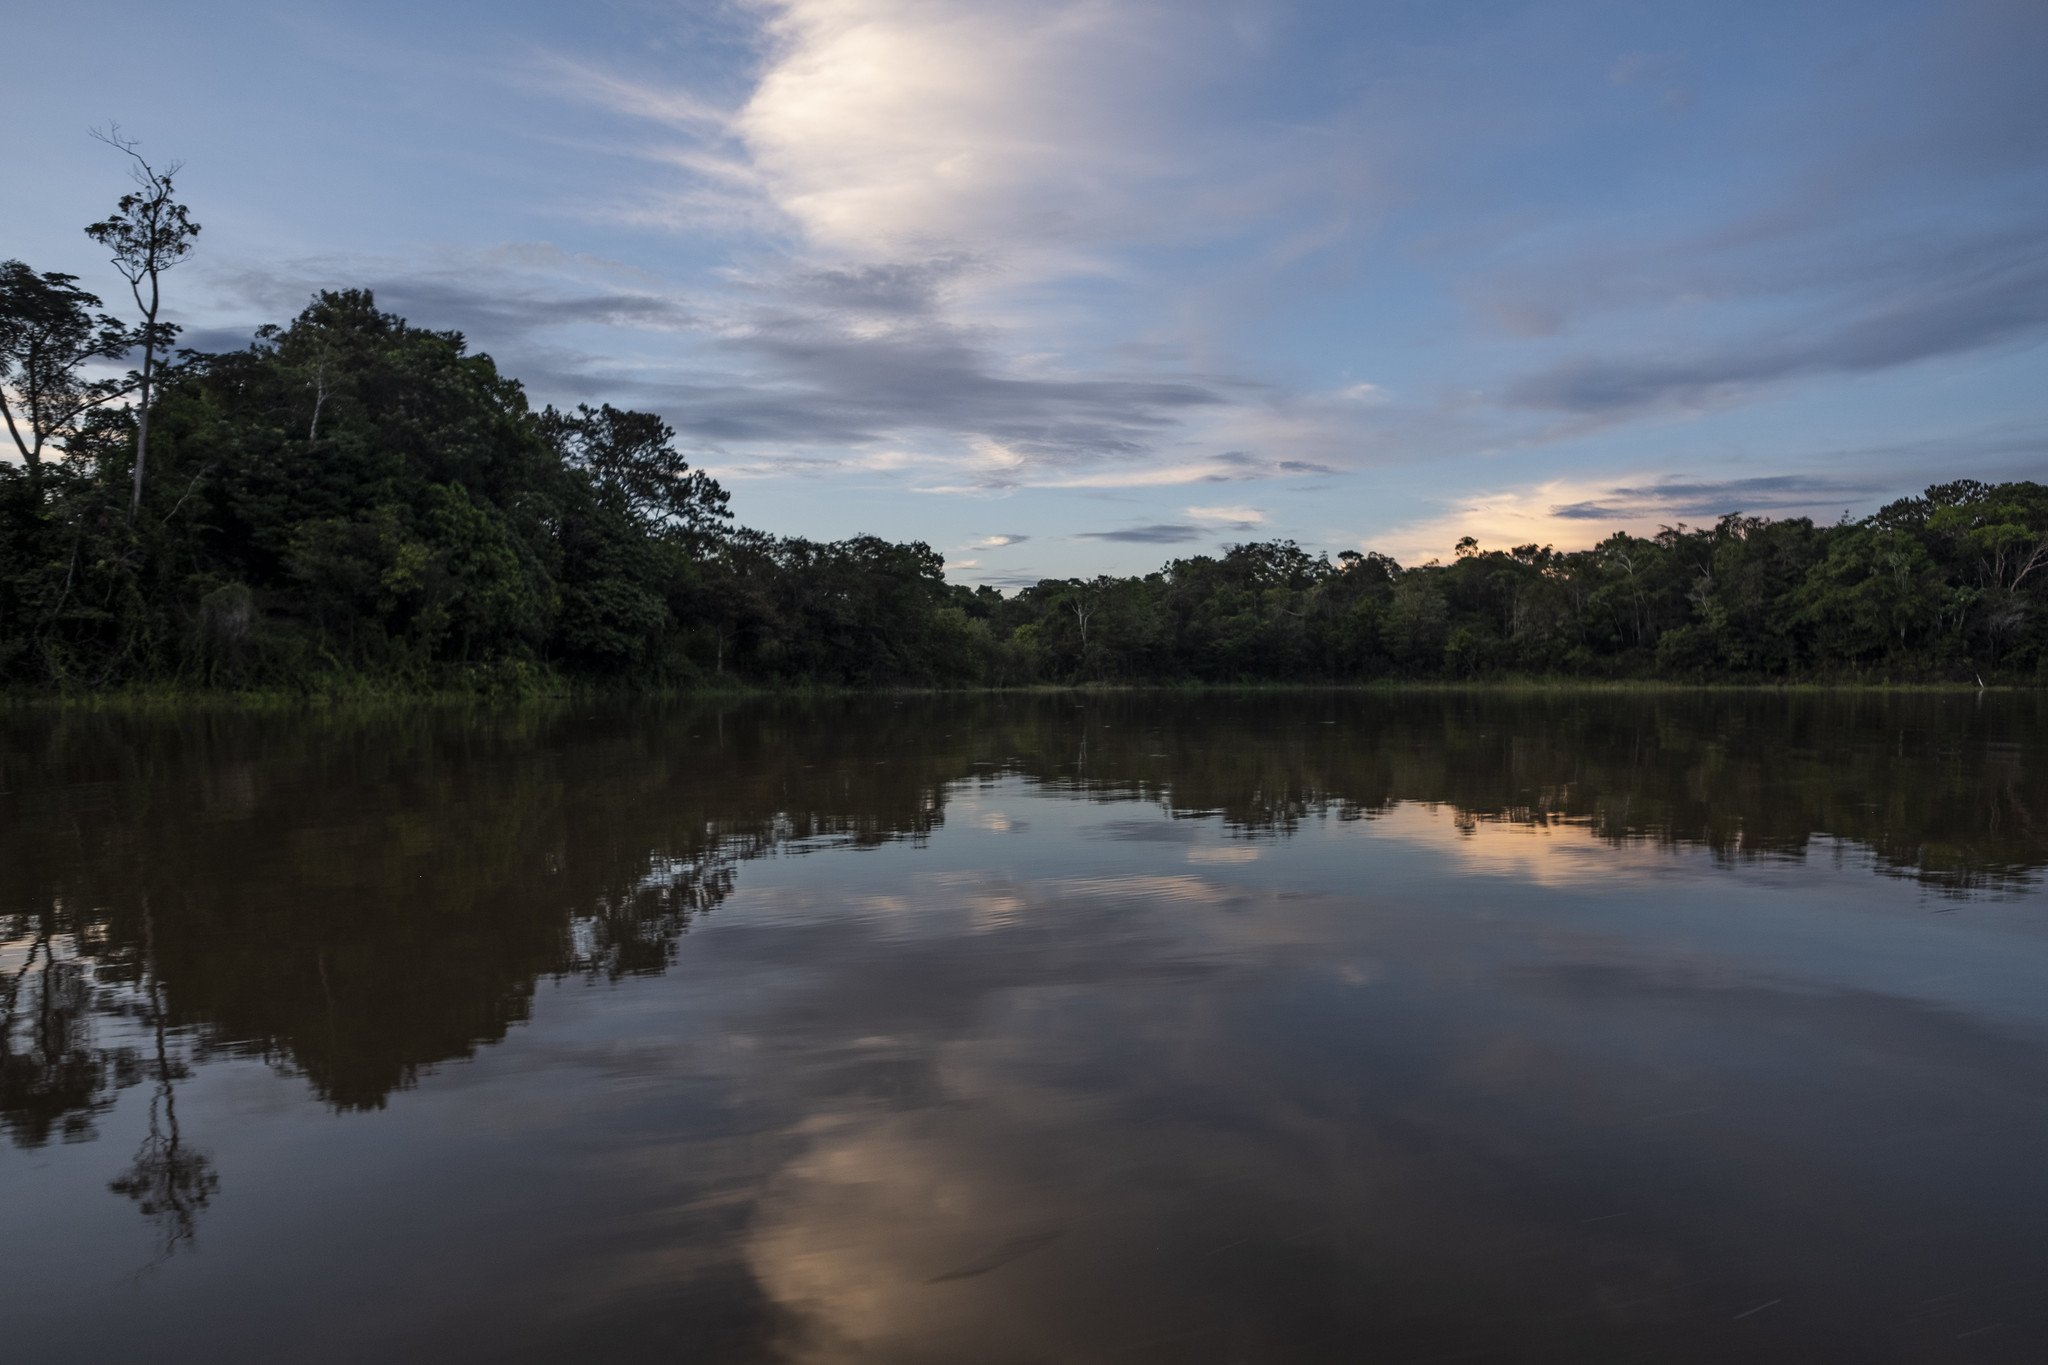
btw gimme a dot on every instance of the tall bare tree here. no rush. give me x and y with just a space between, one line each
1083 602
148 233
48 333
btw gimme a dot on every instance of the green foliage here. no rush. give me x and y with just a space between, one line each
355 502
48 334
356 498
1948 586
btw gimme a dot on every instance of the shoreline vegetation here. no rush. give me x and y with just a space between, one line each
356 508
361 695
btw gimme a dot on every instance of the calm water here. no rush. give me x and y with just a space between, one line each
1397 1028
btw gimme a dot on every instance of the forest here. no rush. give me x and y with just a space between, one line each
353 503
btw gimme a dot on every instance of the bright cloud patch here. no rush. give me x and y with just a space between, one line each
1235 516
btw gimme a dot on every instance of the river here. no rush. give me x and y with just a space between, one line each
1127 1027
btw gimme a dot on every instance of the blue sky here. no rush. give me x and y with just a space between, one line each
1070 286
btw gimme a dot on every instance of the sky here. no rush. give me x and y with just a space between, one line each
1064 287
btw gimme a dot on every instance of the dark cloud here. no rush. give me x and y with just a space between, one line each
798 370
483 311
1167 534
1966 300
801 362
1893 215
811 380
901 289
1679 499
489 303
1012 581
1996 452
497 310
213 340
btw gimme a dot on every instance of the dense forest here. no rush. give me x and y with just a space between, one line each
353 502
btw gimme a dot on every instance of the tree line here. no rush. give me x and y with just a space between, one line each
355 501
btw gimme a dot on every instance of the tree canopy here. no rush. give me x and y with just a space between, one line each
353 499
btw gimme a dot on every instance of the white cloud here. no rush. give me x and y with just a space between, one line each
1239 516
884 123
677 108
1166 476
979 168
1043 136
1041 128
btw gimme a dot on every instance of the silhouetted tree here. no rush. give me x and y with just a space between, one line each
148 233
48 334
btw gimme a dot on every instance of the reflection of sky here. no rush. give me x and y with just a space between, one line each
1078 1078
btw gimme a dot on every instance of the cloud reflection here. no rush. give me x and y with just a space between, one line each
824 1062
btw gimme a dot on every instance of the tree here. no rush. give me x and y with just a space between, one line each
632 460
48 334
1083 604
148 233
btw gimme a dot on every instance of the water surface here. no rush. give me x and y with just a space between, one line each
1552 1027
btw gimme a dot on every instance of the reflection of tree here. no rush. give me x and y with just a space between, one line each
368 895
52 1078
633 931
1938 788
169 1180
365 896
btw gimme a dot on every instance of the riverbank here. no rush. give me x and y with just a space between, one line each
373 696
